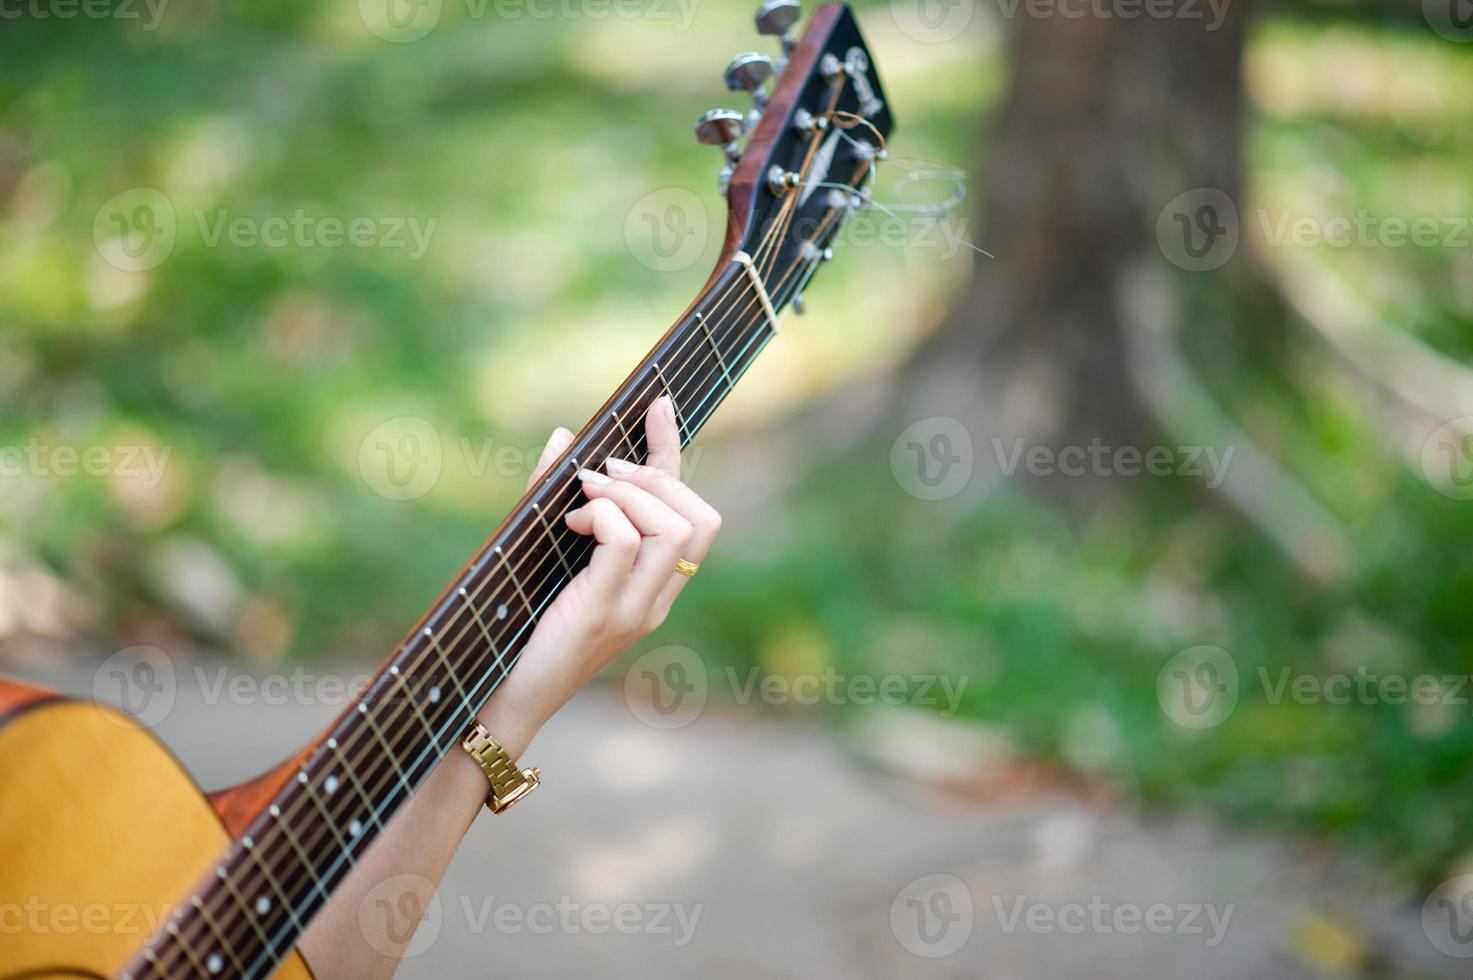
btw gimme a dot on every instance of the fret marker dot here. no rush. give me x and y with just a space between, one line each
248 843
330 783
394 670
355 828
428 632
434 695
302 778
263 905
275 810
213 963
332 743
501 611
362 709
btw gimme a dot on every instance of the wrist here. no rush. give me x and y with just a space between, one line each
513 724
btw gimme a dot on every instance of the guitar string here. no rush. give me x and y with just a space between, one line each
695 381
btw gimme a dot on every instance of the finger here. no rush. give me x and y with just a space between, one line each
663 435
679 497
665 534
616 545
560 440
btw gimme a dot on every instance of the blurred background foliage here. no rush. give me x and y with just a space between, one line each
261 371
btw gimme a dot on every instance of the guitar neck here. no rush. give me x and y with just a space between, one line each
253 907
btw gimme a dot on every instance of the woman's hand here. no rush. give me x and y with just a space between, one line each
643 520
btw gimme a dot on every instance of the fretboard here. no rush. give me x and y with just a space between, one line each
249 912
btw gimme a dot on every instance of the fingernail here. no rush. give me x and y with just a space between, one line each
620 466
666 406
592 476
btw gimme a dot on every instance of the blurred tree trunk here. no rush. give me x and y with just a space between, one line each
1107 120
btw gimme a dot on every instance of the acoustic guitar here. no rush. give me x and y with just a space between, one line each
138 874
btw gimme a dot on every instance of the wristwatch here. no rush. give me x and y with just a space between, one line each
508 783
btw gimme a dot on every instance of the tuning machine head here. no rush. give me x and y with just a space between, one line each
723 127
777 17
749 73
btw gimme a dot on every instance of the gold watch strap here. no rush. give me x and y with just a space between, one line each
508 783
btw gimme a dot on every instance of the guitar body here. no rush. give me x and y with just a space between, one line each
102 832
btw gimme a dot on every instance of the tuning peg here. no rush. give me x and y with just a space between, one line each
748 73
722 127
777 17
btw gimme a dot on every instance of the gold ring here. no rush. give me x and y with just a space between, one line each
687 568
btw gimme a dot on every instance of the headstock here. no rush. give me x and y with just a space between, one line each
812 144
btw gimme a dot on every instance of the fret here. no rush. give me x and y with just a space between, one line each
262 906
552 538
212 962
633 450
388 750
465 700
244 909
186 946
348 770
413 701
674 405
480 624
154 962
332 825
716 349
531 611
296 845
